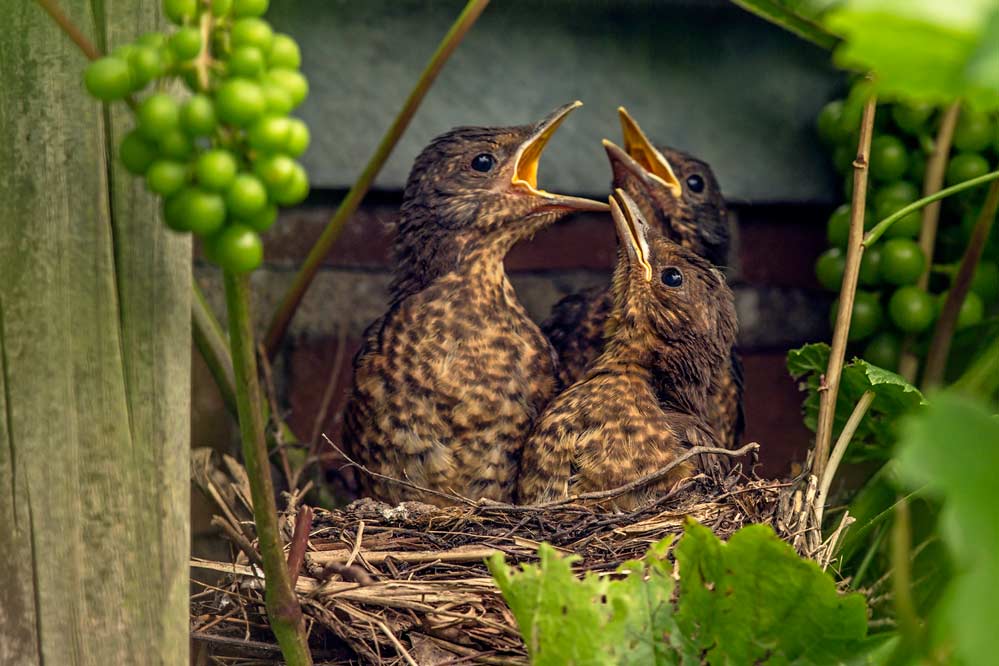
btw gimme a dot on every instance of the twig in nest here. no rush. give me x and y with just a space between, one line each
351 573
357 544
299 542
238 539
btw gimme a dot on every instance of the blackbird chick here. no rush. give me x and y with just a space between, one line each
449 380
680 197
672 322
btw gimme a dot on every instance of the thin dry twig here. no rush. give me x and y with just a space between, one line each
299 542
237 538
845 437
357 544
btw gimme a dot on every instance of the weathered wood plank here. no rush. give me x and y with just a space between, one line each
94 334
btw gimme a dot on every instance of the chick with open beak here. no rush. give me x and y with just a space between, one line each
672 320
680 197
450 379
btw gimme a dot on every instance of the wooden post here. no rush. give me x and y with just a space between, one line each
94 365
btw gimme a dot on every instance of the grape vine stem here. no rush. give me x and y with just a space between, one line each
848 291
293 297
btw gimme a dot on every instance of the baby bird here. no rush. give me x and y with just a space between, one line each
679 197
671 324
449 381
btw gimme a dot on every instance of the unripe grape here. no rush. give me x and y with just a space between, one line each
263 219
911 309
270 134
246 197
240 102
136 153
156 40
274 170
238 248
165 177
829 268
216 169
158 114
889 158
197 116
205 212
175 210
298 137
252 32
284 53
966 166
972 309
241 8
829 122
176 145
186 43
294 190
221 7
292 81
870 267
838 227
912 117
180 11
246 61
278 99
108 78
884 351
145 65
974 131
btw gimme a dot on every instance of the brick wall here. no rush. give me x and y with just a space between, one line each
778 301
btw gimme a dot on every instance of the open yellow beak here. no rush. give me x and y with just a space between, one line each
631 230
525 168
640 149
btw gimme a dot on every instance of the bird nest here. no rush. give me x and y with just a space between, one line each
407 584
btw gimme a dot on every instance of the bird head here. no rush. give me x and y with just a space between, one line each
678 193
669 302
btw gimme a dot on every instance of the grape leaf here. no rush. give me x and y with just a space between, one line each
795 16
754 600
922 50
951 449
893 396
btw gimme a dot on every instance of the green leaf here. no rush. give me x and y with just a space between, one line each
754 600
951 449
790 16
922 50
893 396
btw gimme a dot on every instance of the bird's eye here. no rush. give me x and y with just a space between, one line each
483 162
695 183
672 277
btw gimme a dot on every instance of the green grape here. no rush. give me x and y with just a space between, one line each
252 32
838 227
292 81
913 117
829 268
205 211
238 248
270 134
911 309
156 40
176 145
175 210
917 166
180 11
216 169
884 350
165 177
246 61
246 197
158 115
242 8
136 153
965 166
986 281
298 137
197 116
902 261
843 156
294 190
867 315
972 309
870 266
221 7
145 64
263 219
284 53
278 99
274 170
889 158
974 131
186 43
108 78
891 198
240 102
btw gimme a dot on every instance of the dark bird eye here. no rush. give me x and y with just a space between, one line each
672 277
483 162
695 183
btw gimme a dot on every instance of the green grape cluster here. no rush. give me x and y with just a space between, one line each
223 157
889 304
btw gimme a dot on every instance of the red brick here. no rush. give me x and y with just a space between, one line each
778 246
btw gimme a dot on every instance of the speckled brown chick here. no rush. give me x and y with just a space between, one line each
449 381
673 320
680 197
